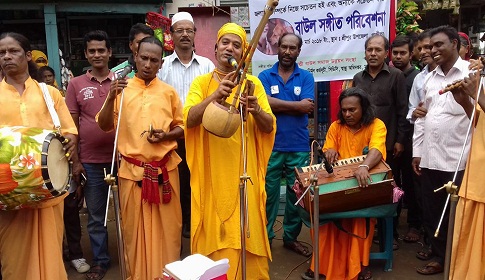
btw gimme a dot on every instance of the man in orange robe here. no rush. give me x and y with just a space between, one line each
468 253
30 239
357 130
150 124
216 164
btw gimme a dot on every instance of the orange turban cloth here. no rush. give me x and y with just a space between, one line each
39 58
232 28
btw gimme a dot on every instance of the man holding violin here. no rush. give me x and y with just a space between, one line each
439 137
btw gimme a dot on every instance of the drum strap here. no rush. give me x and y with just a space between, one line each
50 106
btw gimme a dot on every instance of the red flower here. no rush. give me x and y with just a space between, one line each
28 161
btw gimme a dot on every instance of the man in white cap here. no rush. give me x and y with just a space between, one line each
179 70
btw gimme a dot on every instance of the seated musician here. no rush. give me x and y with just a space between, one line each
357 130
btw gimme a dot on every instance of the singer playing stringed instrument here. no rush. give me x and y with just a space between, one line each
215 165
357 130
148 174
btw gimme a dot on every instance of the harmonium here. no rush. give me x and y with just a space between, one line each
340 192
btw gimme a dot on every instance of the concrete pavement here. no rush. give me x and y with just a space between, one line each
285 264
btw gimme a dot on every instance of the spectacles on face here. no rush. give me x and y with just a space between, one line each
182 31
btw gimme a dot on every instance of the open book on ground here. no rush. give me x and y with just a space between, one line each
197 267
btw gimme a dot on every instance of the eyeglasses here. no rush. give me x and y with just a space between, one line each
181 31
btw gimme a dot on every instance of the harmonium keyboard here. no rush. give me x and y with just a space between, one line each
340 192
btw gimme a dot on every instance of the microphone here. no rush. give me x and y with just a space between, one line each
232 61
127 70
328 166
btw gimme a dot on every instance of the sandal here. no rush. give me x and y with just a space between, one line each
365 274
430 269
412 236
424 254
310 275
96 272
298 248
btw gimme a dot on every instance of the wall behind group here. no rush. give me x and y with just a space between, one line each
172 8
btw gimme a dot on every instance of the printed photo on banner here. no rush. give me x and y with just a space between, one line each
268 43
333 34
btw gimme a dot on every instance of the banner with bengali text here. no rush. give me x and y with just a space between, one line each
333 34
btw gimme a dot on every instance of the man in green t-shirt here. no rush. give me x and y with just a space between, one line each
137 33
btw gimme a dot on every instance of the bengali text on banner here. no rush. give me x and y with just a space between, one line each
333 34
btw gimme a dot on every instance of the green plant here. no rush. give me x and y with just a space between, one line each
407 16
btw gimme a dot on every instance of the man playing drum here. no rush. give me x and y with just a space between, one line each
30 238
215 165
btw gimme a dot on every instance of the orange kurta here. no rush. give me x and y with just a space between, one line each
340 254
31 239
152 233
215 165
468 253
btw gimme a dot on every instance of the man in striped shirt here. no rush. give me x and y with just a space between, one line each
179 70
439 137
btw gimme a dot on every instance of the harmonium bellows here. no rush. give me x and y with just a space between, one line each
340 191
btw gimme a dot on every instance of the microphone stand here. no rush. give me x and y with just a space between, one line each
316 224
243 198
316 207
452 189
110 179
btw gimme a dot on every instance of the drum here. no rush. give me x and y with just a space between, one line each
33 167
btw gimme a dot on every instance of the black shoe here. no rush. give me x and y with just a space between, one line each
186 230
309 275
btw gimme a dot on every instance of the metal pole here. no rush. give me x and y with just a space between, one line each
316 226
242 216
119 233
113 187
243 210
449 237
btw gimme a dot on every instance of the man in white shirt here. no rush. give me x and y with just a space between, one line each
179 70
417 95
439 137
